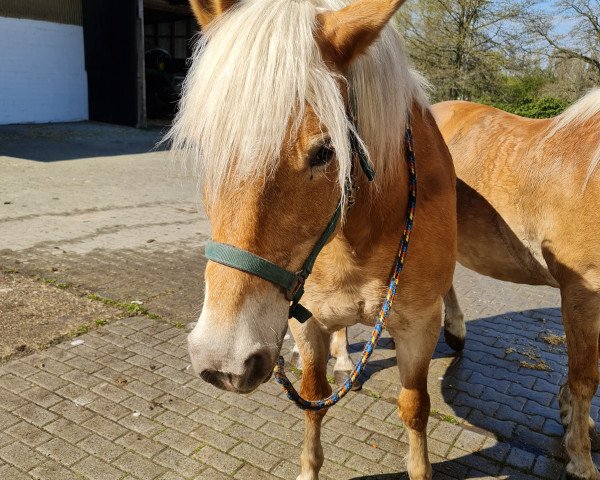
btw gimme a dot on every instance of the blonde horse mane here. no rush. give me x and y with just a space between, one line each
583 110
254 72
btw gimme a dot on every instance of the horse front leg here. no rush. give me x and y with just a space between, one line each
416 338
455 330
343 364
581 318
313 344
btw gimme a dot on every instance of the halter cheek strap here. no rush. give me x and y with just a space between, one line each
291 283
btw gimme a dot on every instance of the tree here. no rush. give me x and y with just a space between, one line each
462 46
519 55
581 41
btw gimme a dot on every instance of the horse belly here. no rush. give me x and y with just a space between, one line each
488 245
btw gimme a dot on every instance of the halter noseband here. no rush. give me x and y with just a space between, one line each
291 283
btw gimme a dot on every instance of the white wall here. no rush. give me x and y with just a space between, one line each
42 72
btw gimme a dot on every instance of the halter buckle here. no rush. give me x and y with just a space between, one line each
351 196
350 189
291 293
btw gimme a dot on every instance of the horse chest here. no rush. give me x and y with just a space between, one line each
346 306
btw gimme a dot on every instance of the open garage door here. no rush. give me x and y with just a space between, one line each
113 32
136 52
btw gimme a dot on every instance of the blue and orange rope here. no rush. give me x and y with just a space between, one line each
279 372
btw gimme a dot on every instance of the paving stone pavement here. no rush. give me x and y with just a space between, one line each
123 405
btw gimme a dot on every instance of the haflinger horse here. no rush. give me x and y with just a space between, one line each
529 212
277 93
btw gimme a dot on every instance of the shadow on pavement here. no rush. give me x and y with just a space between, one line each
72 141
506 382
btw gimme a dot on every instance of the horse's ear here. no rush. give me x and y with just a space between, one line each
207 10
348 32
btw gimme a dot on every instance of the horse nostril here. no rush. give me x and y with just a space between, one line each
213 377
257 369
258 366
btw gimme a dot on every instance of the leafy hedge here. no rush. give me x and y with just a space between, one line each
543 107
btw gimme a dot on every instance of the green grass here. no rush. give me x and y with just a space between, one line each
374 395
198 448
80 330
443 417
54 282
128 307
449 419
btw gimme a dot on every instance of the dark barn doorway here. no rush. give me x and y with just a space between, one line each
111 30
169 31
136 58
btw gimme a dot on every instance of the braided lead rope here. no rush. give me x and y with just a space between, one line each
279 372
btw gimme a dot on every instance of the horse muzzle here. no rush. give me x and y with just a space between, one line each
257 370
238 352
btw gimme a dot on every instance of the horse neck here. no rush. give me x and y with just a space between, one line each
380 209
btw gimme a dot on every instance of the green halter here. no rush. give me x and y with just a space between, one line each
292 283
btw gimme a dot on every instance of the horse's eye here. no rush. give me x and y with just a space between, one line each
322 156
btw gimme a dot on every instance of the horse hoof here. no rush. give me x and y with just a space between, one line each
455 343
581 473
340 376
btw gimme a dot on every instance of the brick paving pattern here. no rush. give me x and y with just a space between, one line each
124 405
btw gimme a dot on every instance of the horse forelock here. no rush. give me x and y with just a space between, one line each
253 73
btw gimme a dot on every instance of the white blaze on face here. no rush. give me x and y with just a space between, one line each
224 345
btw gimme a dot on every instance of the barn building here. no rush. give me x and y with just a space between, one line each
115 61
